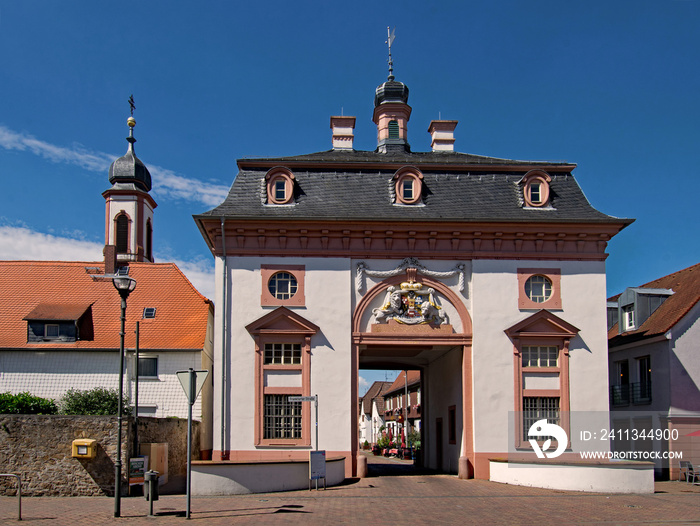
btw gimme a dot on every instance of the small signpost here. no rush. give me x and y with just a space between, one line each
137 469
192 382
317 467
317 459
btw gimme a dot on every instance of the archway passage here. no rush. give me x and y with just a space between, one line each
442 354
390 418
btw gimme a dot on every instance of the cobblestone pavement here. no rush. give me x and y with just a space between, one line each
393 493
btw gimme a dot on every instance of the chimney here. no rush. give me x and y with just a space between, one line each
442 135
110 253
342 132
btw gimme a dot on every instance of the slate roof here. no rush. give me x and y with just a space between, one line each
59 290
357 185
686 294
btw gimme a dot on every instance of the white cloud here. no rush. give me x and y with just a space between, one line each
168 183
21 243
165 182
201 274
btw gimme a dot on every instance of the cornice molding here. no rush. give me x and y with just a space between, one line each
449 240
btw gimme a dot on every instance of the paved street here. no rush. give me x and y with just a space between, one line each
392 494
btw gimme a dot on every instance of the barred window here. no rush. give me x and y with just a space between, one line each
282 418
538 407
282 354
540 356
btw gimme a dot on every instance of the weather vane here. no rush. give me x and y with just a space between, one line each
391 35
131 103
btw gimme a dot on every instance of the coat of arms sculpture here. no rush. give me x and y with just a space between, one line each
410 304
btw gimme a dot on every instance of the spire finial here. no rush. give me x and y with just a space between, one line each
131 122
391 35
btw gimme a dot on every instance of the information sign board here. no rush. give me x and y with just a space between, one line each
317 465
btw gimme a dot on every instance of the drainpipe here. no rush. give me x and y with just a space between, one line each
223 343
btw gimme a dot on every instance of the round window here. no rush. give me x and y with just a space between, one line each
538 288
282 285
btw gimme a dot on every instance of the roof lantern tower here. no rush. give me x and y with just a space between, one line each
391 110
129 214
129 168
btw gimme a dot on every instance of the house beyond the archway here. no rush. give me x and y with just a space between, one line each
486 274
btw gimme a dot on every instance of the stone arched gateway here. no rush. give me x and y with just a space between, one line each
374 338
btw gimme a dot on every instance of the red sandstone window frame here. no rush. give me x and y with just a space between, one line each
299 297
541 329
402 177
541 180
553 275
282 326
284 175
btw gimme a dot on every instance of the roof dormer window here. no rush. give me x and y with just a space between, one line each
51 331
535 187
408 186
280 186
628 317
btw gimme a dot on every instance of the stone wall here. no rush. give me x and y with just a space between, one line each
38 448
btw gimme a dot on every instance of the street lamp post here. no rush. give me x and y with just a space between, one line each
125 286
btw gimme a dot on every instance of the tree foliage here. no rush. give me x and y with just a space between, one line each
26 404
97 401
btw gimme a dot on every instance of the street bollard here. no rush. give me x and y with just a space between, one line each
150 481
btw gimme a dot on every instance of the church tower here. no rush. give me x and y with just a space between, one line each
129 210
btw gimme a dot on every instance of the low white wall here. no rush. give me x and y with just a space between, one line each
228 478
622 477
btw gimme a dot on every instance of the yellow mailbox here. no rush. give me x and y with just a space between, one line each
84 448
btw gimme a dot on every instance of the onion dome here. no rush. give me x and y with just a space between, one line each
129 168
391 91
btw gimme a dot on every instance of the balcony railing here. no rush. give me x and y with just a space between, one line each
636 393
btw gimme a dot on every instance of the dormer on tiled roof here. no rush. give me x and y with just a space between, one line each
654 308
77 294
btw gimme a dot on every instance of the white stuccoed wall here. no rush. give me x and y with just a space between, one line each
495 308
328 284
51 374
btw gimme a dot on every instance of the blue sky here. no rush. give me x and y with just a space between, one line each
610 86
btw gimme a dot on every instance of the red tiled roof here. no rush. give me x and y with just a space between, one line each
400 383
375 390
58 288
686 293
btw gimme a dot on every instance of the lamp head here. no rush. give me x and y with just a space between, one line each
124 285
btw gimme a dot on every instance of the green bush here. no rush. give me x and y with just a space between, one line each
414 438
97 401
26 404
384 442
